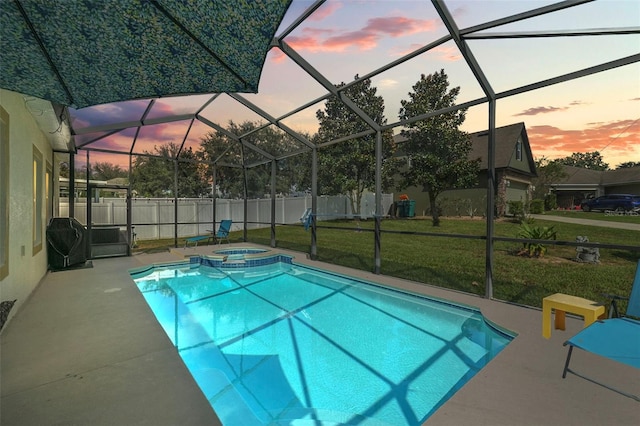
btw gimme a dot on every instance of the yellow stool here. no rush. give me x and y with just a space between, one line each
563 303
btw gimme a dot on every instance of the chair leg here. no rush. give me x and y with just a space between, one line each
566 364
613 312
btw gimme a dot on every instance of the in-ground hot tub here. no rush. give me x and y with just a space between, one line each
241 250
242 253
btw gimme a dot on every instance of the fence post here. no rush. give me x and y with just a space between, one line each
158 218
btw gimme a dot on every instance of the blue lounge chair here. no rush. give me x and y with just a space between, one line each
223 231
633 307
617 339
195 240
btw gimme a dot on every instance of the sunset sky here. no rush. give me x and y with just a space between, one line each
344 38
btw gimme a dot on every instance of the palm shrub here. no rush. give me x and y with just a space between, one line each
535 249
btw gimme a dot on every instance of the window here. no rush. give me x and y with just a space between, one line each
4 193
37 200
519 150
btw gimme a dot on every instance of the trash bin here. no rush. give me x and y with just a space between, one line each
406 208
411 208
403 208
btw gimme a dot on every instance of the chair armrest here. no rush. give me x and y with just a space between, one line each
614 296
613 309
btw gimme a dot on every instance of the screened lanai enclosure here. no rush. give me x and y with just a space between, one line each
171 116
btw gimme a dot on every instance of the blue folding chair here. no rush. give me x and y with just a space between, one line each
306 219
633 307
223 230
617 339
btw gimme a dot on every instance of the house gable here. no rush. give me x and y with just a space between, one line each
513 151
512 148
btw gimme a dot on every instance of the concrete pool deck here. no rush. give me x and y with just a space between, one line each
85 349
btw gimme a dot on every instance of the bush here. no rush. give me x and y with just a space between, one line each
516 208
537 206
550 202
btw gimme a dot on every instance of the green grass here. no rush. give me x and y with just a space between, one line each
459 264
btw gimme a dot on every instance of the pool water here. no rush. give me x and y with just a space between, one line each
287 344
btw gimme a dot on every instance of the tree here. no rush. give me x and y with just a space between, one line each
628 165
153 173
585 160
226 153
436 150
106 171
230 157
349 167
80 172
275 142
549 172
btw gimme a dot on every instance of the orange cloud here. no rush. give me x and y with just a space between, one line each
612 139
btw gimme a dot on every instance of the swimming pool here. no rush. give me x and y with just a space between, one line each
283 343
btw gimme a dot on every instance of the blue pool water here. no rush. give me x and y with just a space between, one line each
286 344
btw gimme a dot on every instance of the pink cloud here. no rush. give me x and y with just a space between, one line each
397 26
366 38
442 53
448 54
540 110
276 56
325 11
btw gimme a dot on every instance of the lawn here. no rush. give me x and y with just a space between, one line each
459 263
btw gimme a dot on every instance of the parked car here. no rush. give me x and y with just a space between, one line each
616 202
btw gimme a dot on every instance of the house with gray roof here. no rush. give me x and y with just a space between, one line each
579 184
514 168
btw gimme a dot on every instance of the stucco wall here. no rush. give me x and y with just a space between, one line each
25 268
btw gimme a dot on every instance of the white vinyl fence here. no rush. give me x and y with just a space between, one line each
153 218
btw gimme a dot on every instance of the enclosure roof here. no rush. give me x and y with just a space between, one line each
144 73
88 52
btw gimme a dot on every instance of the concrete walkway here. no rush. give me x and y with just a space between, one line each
85 349
590 222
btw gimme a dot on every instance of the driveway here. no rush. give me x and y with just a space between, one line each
589 222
